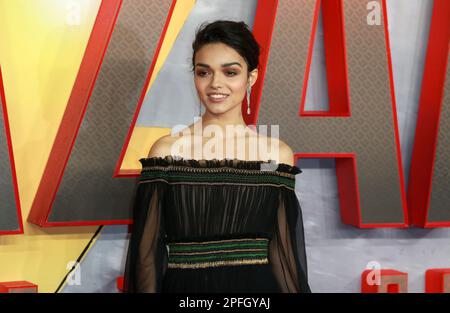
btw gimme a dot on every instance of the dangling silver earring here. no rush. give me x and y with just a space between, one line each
249 90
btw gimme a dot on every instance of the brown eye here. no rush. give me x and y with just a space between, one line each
231 73
201 73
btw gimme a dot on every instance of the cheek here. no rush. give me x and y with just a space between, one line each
239 87
200 85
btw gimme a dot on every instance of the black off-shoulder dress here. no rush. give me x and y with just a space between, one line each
226 225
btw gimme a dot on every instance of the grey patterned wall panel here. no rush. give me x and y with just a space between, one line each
439 210
88 192
369 132
9 220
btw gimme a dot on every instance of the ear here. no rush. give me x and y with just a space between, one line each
253 76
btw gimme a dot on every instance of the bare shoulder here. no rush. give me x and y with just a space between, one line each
286 155
161 147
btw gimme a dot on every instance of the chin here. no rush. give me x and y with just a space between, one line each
217 107
217 111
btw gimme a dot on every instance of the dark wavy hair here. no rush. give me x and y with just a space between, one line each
236 35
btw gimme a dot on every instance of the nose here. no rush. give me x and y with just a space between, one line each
216 81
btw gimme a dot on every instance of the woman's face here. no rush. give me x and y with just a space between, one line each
221 77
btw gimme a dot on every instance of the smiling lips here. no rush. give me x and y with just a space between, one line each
217 97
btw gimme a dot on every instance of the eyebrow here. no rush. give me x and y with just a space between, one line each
223 65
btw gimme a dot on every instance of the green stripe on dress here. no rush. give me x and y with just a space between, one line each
218 253
218 257
175 248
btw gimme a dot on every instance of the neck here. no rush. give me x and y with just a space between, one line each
232 118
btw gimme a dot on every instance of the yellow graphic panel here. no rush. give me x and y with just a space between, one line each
141 140
41 48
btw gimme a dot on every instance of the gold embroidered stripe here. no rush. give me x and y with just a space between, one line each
217 263
215 253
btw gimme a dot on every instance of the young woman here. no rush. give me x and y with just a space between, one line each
218 222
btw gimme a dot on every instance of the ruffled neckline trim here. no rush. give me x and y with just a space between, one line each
258 165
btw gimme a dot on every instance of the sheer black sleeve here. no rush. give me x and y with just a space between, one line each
147 255
287 249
